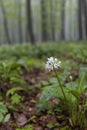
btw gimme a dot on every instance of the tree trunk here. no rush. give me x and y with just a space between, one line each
63 20
5 22
44 21
80 20
20 22
29 21
85 15
52 20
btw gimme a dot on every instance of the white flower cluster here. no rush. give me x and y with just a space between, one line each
52 63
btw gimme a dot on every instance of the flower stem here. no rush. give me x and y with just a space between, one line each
60 85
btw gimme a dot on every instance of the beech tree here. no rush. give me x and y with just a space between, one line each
29 21
52 19
84 8
20 21
63 19
43 21
80 36
5 22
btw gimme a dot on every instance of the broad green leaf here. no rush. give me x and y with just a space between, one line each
3 109
65 128
1 117
31 118
53 80
7 117
71 85
13 90
15 99
28 127
50 125
75 93
81 82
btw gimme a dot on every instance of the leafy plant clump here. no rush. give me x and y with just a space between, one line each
73 50
71 97
4 115
22 77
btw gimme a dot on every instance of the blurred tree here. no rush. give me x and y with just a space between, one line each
30 21
80 20
52 19
63 20
5 22
20 21
44 20
84 5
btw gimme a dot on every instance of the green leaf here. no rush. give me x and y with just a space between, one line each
65 128
15 99
50 92
50 125
81 83
1 117
13 90
28 127
53 80
83 70
45 83
31 118
7 117
75 93
71 85
3 108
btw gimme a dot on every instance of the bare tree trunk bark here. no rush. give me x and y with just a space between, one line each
20 22
85 15
26 34
52 20
80 20
5 22
63 20
29 21
44 24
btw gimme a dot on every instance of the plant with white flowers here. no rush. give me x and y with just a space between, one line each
72 98
52 63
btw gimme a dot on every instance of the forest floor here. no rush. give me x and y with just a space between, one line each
28 65
27 114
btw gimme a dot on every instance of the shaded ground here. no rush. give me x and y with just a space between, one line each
27 112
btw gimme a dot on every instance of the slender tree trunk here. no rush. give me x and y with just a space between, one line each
85 15
44 21
63 20
20 22
26 34
80 20
5 22
52 20
29 21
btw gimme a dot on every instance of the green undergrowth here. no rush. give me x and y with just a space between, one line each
30 56
75 50
16 58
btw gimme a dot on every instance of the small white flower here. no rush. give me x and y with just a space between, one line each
52 63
